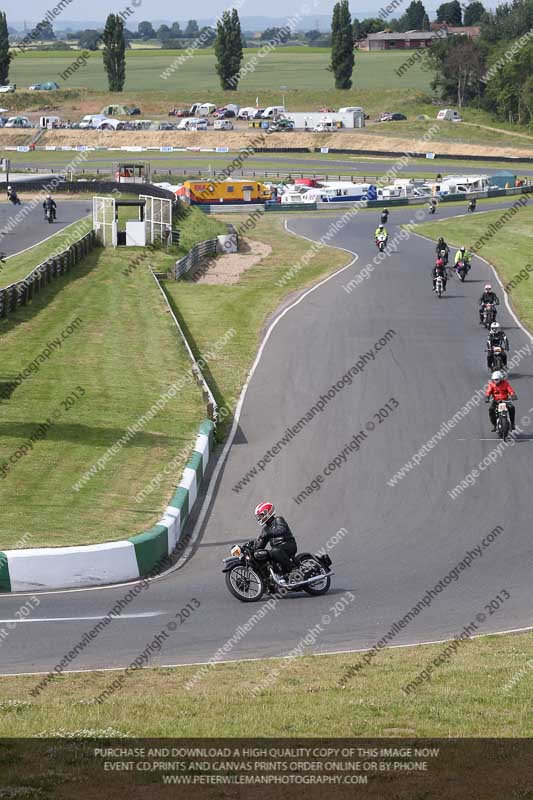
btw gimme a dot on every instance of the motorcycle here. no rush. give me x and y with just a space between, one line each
250 572
381 243
497 360
384 218
14 198
439 286
503 421
432 208
461 269
49 214
472 205
489 314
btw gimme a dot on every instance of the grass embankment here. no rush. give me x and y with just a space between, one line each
124 352
208 311
484 690
508 249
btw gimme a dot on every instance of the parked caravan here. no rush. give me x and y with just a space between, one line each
449 114
273 111
228 191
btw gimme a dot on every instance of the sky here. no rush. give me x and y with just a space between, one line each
79 11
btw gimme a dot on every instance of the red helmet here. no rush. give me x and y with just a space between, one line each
440 262
263 512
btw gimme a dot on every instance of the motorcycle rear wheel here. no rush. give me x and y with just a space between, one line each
320 587
245 584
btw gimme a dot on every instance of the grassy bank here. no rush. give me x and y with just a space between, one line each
246 305
124 352
484 690
508 249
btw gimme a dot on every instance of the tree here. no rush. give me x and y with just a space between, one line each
459 64
207 36
473 13
281 35
313 35
342 55
146 30
46 32
371 25
164 33
5 55
176 30
414 15
425 23
192 30
114 54
228 49
89 39
450 13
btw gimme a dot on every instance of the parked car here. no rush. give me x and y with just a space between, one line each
224 113
258 114
247 113
92 120
397 117
281 125
133 111
199 124
388 117
3 121
325 125
223 125
18 122
178 112
326 110
47 86
8 87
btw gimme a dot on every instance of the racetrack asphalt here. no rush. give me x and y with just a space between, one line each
400 540
33 228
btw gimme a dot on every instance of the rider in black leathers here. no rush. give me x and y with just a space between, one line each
497 338
50 203
276 531
488 296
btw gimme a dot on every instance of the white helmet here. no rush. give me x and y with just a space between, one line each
497 376
488 287
380 227
48 196
9 188
495 326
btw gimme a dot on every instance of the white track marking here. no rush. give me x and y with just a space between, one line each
267 658
83 619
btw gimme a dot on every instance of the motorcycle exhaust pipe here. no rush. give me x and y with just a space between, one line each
282 582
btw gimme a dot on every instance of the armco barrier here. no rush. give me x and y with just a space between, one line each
112 562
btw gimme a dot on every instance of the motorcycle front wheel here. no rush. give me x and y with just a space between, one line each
245 583
503 428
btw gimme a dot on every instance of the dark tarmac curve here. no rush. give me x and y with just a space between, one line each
400 540
34 228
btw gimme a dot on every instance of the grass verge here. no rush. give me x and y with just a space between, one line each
124 352
483 690
508 248
207 311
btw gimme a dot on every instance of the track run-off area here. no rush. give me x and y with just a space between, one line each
384 364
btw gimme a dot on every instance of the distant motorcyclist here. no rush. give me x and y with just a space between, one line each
275 531
12 196
497 338
499 390
472 204
50 203
439 270
384 216
488 296
432 207
463 255
441 248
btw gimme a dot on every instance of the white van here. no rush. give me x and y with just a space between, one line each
92 120
349 109
247 113
325 125
49 122
205 109
273 111
449 114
